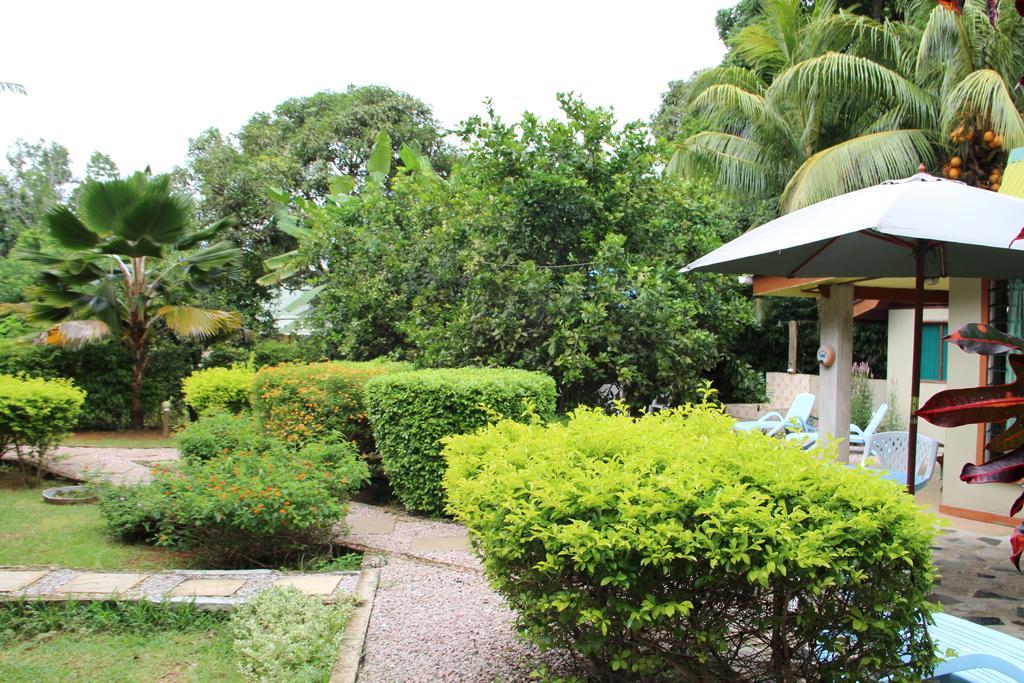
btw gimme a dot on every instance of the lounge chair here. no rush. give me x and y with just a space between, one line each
889 449
983 655
858 436
797 418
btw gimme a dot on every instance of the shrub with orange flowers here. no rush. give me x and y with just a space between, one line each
303 403
243 508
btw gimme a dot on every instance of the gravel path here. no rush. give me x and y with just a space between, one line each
430 623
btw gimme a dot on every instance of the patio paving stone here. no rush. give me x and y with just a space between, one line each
439 543
207 587
312 585
14 580
372 525
101 583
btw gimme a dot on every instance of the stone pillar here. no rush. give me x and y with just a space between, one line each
835 311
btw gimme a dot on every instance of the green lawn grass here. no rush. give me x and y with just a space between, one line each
147 438
123 657
35 533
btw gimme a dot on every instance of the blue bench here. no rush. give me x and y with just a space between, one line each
983 655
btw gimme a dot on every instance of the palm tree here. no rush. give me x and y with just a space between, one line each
834 102
126 257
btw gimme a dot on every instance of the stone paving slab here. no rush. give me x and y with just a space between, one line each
101 583
16 580
311 585
220 588
439 543
379 524
208 589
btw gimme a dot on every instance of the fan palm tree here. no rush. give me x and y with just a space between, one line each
127 258
834 102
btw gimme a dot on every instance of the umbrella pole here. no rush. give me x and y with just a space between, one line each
915 377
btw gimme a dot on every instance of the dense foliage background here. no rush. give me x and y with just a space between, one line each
555 245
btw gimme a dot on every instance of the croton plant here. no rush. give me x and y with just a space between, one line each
997 404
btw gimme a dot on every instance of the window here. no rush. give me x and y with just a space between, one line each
934 352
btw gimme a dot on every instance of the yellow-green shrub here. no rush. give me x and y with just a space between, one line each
300 403
219 390
671 546
412 412
35 414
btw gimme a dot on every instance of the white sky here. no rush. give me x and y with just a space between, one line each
138 79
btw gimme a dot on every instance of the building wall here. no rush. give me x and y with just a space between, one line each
900 360
962 444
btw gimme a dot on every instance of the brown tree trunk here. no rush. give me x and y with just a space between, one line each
139 352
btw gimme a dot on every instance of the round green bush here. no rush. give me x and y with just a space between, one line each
413 412
219 390
303 403
35 414
671 546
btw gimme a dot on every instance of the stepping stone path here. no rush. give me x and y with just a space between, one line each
208 588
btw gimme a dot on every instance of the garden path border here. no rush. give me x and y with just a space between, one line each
350 652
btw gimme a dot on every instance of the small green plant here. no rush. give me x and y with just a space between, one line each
893 421
284 635
669 547
35 415
213 436
302 403
219 390
862 402
241 508
27 618
412 412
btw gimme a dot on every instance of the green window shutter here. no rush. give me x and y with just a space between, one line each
932 352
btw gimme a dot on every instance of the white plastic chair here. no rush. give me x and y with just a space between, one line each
889 449
797 418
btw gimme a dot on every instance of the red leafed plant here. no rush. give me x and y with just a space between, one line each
957 407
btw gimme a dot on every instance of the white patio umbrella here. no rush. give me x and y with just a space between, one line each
921 227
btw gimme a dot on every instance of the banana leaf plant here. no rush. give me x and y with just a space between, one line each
297 266
996 404
126 261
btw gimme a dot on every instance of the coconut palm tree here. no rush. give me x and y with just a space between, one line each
834 102
126 261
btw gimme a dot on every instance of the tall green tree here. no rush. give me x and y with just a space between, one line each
554 245
298 148
127 262
39 178
852 102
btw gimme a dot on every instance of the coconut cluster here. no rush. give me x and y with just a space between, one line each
980 158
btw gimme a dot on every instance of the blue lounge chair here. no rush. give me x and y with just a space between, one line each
797 418
983 655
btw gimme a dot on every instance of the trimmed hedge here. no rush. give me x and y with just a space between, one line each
669 547
413 412
104 371
35 414
219 390
303 403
